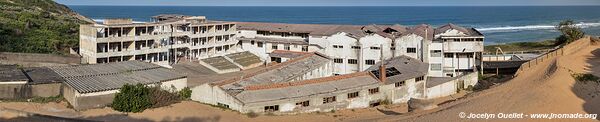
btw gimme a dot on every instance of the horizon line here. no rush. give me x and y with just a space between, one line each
346 6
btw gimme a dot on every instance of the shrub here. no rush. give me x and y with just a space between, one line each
132 98
160 97
585 77
185 93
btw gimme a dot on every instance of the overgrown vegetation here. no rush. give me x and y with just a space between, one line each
522 46
185 93
55 99
585 77
569 32
38 26
137 98
132 98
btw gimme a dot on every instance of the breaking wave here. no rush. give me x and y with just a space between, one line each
102 20
532 27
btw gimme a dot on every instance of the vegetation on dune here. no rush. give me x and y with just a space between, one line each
38 26
522 46
585 77
569 32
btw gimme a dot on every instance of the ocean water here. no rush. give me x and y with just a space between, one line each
500 24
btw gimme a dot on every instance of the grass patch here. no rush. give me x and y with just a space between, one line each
585 77
522 46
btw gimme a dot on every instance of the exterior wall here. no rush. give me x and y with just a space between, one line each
371 54
38 60
163 44
214 95
45 90
435 60
174 85
409 41
12 90
345 53
402 94
21 90
452 87
316 102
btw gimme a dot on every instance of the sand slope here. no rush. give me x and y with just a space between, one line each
547 88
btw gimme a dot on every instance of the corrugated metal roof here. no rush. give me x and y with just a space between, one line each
110 76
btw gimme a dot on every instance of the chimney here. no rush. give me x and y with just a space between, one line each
382 73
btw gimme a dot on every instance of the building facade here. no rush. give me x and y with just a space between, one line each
165 41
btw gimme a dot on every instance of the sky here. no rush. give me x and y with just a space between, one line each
330 2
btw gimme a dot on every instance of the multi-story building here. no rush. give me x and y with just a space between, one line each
449 49
164 41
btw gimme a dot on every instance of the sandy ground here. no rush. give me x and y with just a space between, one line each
536 91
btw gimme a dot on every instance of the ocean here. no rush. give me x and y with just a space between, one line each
500 24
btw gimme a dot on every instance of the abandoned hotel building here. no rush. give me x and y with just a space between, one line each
301 67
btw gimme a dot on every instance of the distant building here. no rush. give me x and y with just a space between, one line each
163 42
450 49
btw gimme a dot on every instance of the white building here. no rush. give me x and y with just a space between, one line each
449 49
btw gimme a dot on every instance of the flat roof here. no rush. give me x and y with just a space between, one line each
11 73
111 76
42 75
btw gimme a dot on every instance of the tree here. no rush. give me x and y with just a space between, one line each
569 32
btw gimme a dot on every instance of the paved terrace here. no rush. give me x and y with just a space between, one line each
245 59
220 63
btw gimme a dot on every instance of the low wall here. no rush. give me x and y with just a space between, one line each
24 91
453 86
36 60
565 50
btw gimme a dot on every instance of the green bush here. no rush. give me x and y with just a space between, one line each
585 77
132 98
185 93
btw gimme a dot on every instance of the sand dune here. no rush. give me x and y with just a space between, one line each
547 88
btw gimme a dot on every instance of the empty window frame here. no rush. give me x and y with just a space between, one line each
274 47
420 78
411 50
303 103
271 108
370 62
329 99
375 48
352 61
401 83
436 53
352 95
374 90
304 48
286 47
259 44
338 60
356 47
338 46
448 55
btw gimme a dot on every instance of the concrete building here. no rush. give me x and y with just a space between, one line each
24 83
93 86
165 41
449 49
279 91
